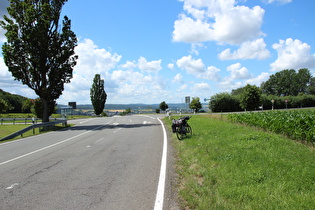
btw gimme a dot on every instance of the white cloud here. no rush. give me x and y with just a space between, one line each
218 20
264 76
4 73
201 87
212 73
236 78
178 78
191 65
188 30
195 47
248 50
129 65
170 66
8 84
93 60
238 72
152 66
183 87
198 68
292 54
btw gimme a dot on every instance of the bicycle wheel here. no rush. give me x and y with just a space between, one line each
188 131
179 135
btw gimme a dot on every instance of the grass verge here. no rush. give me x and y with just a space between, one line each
6 130
230 166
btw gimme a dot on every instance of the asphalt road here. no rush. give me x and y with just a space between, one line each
101 163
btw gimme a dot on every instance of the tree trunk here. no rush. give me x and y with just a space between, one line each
45 110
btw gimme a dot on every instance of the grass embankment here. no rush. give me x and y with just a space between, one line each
6 130
230 166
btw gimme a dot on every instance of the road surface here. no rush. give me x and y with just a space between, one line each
101 163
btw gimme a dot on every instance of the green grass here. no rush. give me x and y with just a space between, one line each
6 130
230 166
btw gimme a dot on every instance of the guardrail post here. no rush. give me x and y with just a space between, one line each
1 121
13 121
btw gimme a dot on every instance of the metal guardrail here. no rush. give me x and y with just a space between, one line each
18 120
24 120
40 125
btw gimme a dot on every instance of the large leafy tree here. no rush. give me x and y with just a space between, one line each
98 94
37 52
251 97
195 104
287 82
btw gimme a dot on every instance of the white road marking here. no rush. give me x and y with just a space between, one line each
117 130
44 148
161 186
99 140
12 186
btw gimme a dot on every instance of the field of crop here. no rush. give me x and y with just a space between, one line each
296 124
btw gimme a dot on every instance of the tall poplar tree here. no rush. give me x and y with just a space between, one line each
98 94
37 52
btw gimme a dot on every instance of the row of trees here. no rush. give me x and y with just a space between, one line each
194 104
284 89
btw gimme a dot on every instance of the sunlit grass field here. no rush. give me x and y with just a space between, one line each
231 166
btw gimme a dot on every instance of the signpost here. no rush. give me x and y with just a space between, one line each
272 101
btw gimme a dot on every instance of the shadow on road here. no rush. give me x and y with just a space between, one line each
104 127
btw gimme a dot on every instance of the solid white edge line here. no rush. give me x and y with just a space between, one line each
161 186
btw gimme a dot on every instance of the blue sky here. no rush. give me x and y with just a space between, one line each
163 50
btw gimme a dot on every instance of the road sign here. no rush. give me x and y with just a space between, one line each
187 99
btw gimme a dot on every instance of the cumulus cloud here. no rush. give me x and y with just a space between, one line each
217 20
152 66
264 76
170 66
98 60
292 54
236 78
183 87
129 65
192 66
197 68
248 50
7 83
201 87
238 72
4 73
178 78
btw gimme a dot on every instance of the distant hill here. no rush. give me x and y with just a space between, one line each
15 101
